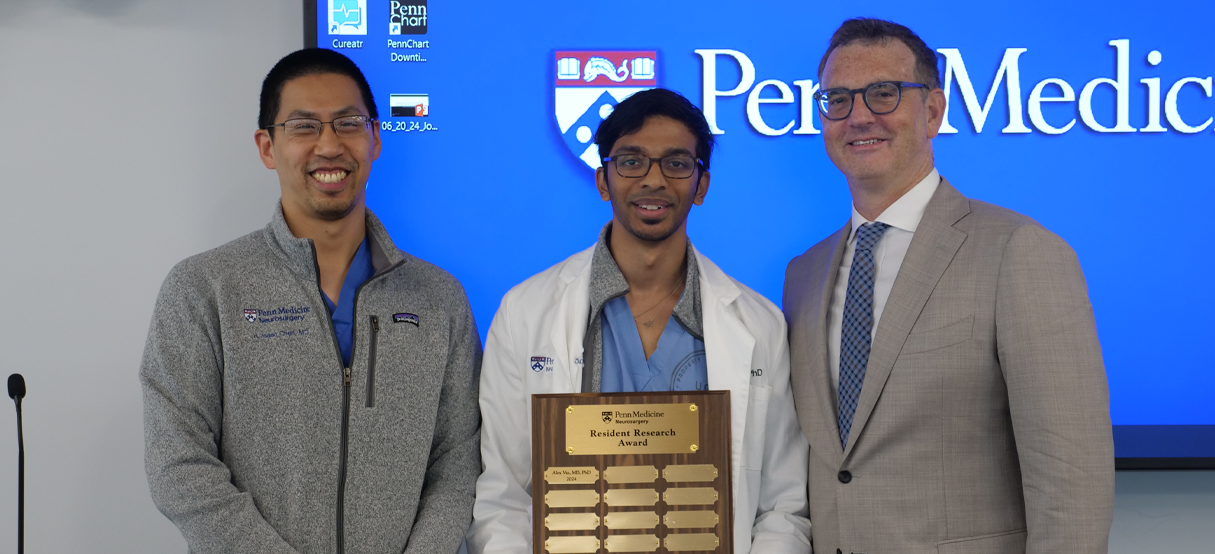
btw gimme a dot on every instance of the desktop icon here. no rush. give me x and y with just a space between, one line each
347 17
407 17
409 105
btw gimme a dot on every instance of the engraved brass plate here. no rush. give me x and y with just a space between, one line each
631 520
690 519
599 429
571 499
571 475
693 495
571 545
630 497
631 543
690 473
691 541
572 522
630 474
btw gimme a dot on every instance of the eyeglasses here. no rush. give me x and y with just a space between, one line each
675 166
306 128
881 98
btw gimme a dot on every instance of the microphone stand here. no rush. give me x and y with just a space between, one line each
16 390
20 482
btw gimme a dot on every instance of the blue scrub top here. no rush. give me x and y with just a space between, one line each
342 314
678 363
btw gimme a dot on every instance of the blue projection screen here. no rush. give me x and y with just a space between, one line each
1097 122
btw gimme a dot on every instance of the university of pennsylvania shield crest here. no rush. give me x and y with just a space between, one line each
589 84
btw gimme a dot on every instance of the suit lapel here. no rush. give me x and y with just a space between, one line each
932 248
822 278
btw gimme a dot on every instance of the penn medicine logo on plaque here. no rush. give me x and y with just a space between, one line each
588 85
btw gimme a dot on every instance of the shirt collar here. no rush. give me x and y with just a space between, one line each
607 282
299 255
906 212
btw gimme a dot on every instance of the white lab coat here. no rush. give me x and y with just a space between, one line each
746 351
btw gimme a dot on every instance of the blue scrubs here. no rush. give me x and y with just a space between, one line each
342 314
678 363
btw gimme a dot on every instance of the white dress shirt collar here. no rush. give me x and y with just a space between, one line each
907 211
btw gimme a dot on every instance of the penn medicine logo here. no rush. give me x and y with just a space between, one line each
251 315
589 85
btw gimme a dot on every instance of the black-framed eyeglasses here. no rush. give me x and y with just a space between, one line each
881 97
675 166
306 128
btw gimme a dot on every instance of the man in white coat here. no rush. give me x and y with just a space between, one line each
642 310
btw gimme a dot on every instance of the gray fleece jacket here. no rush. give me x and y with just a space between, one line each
258 440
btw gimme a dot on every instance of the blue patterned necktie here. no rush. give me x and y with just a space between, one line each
857 328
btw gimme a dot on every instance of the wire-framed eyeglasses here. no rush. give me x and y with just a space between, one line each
881 97
675 166
306 128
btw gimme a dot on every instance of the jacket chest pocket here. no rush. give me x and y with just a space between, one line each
404 360
940 337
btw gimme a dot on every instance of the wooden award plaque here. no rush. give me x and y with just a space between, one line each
632 472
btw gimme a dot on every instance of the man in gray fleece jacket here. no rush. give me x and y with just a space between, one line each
310 388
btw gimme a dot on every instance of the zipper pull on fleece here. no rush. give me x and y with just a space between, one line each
346 377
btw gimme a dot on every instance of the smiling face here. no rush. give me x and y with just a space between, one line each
653 207
322 178
881 154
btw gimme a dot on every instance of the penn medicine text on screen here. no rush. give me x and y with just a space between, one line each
1008 75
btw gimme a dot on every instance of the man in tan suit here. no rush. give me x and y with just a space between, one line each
945 362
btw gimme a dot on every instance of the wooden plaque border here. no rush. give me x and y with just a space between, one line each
548 450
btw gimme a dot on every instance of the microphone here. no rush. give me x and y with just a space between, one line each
16 391
16 387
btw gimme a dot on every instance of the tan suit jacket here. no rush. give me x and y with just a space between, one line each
983 423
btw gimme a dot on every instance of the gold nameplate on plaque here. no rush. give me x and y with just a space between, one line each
630 497
630 474
689 473
572 522
693 495
691 541
571 475
690 519
631 543
631 520
597 429
572 499
572 545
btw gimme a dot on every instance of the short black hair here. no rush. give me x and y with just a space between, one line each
868 30
631 114
309 61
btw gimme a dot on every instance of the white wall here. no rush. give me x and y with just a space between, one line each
126 145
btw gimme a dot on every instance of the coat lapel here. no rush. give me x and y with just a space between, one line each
569 319
932 248
815 313
729 349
